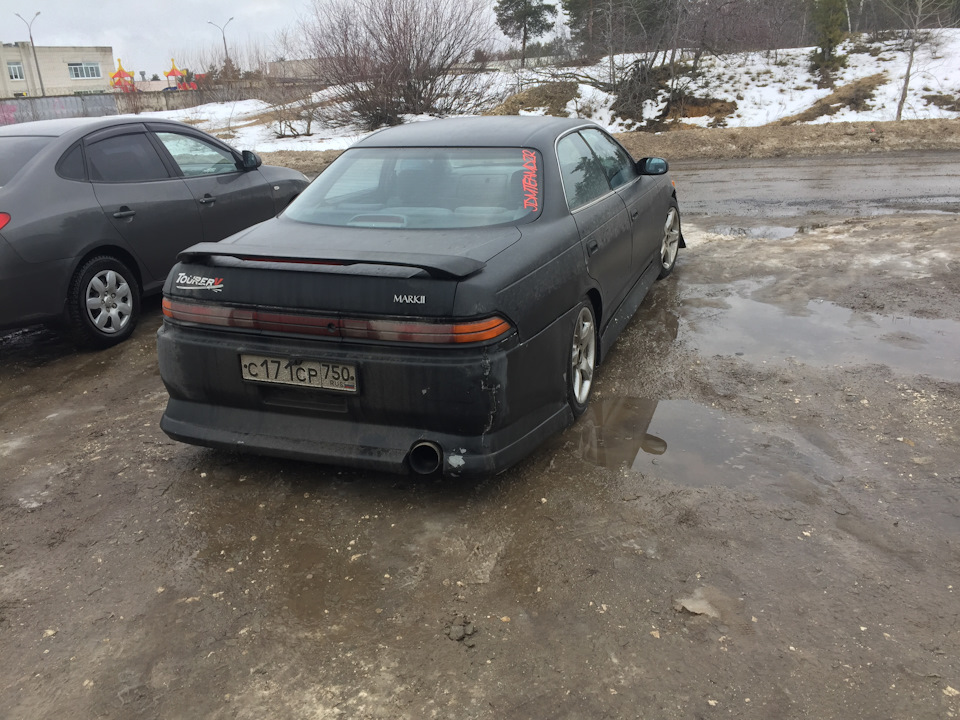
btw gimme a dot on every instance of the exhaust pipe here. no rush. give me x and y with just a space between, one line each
425 457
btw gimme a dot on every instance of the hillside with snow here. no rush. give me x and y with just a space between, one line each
753 88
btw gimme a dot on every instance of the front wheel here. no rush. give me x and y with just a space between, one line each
103 304
583 359
670 243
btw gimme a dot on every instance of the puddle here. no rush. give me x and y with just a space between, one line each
768 232
824 334
697 446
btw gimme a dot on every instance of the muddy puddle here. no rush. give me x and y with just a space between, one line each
698 446
821 333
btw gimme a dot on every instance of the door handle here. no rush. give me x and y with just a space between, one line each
124 212
207 200
592 247
635 214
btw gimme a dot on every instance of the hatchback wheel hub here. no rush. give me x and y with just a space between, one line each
109 302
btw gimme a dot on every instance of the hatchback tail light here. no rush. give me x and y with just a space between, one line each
434 333
4 219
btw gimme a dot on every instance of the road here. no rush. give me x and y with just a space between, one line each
758 517
821 187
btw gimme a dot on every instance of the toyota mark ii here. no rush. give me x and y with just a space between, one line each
437 301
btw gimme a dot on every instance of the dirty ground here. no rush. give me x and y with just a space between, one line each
758 517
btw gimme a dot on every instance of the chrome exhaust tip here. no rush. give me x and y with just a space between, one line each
425 458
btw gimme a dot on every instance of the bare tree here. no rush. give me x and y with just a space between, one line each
290 86
200 59
382 59
918 18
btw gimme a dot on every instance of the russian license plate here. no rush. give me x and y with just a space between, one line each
321 374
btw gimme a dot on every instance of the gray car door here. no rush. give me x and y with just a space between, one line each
229 198
601 218
638 193
153 212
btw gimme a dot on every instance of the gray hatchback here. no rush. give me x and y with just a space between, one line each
93 212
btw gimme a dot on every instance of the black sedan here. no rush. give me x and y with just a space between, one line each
436 301
94 211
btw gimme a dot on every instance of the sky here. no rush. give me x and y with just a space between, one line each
145 35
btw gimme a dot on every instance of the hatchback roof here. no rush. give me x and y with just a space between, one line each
497 131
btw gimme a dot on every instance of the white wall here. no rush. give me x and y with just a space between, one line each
53 63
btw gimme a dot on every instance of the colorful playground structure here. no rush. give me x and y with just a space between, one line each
123 81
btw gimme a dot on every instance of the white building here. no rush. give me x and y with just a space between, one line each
32 71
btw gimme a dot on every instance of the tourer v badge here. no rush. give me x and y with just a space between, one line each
198 282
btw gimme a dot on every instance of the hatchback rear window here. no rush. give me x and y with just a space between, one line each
16 152
422 188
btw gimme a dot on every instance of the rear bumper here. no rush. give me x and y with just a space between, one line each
486 407
30 293
359 445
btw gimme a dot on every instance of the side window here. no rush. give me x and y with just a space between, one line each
196 157
125 158
71 164
617 164
583 178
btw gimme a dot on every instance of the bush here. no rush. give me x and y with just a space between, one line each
383 59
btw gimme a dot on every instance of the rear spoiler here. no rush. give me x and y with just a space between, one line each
447 267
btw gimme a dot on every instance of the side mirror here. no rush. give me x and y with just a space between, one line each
251 161
653 166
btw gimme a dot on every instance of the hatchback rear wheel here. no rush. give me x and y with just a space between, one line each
583 359
103 305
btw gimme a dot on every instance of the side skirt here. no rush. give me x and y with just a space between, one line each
628 308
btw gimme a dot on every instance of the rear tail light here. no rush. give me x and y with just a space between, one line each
434 333
4 219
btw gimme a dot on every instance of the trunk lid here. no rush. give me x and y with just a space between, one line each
367 271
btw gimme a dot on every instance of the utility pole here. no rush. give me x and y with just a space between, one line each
33 47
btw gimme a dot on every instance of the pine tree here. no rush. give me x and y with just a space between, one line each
524 20
830 22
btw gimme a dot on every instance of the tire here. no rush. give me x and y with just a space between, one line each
103 303
583 359
670 244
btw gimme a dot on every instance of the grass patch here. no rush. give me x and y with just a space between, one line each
943 101
553 96
687 106
856 96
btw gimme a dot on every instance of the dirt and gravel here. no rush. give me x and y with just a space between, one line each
758 517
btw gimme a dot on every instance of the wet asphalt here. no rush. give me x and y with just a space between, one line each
802 191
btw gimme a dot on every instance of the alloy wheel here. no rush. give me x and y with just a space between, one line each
583 357
671 239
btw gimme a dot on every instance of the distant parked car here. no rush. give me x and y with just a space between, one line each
93 212
436 301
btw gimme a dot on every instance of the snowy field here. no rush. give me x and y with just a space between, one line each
765 86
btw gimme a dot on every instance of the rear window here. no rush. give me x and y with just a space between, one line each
16 152
422 188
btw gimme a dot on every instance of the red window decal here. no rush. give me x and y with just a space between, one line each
531 189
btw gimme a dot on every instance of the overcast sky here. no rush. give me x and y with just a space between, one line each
146 34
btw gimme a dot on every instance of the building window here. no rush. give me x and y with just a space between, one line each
82 71
15 70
